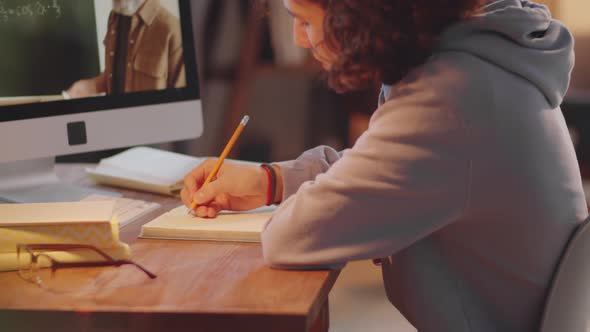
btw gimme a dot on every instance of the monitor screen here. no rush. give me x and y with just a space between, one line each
87 75
55 50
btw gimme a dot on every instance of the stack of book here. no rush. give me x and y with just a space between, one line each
88 223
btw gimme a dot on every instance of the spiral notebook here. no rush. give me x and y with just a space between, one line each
228 226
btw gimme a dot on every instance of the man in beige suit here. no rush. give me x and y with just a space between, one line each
143 47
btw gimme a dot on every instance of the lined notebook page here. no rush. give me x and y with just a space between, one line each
228 226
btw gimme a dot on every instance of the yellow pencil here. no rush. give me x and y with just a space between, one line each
223 155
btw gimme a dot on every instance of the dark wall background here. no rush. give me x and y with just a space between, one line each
576 107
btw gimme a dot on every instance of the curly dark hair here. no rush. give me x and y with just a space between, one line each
382 40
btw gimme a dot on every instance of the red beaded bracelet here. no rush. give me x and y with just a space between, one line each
269 190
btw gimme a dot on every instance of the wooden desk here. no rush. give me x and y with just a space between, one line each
201 286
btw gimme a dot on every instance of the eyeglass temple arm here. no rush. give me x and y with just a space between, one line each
125 261
57 265
68 247
110 260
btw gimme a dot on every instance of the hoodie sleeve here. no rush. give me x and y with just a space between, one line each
306 167
405 178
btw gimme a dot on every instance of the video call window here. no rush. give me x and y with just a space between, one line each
64 49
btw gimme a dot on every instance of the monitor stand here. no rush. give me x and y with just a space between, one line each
35 181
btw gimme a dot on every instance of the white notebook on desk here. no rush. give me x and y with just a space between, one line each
228 226
146 169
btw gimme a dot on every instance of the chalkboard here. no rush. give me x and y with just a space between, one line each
46 45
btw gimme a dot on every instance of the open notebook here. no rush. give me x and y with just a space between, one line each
145 168
228 226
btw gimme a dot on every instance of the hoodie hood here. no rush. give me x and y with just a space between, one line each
522 38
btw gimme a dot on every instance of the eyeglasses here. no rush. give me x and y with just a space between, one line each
37 266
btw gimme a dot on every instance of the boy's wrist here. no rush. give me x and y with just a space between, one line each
262 183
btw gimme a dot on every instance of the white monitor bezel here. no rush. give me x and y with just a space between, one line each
33 131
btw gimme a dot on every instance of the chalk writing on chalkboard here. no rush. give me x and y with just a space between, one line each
30 9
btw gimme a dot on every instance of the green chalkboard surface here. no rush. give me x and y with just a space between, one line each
46 45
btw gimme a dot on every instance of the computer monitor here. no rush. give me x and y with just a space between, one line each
143 86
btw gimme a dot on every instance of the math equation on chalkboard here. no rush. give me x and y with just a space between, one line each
31 8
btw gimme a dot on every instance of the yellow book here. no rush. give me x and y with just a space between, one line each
89 223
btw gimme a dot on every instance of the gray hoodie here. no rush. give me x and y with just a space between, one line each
466 177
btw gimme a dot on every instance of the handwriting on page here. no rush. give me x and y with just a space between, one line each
30 9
